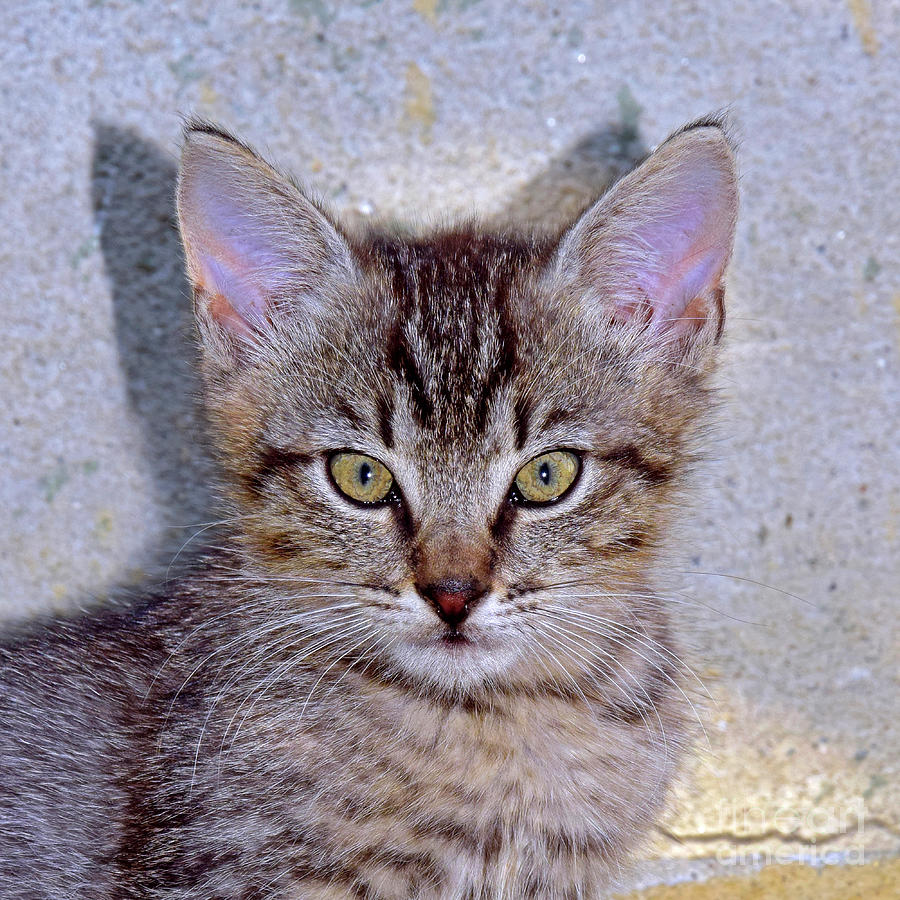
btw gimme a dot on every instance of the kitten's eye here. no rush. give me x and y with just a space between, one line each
547 477
360 477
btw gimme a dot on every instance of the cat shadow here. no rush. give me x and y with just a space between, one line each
574 179
133 186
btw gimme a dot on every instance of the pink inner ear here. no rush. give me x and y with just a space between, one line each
257 249
235 223
673 291
236 260
235 302
684 248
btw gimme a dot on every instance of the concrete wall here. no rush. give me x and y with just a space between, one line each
426 109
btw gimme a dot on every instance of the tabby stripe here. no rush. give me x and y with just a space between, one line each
522 417
502 524
347 411
272 462
459 833
280 545
506 337
561 844
655 685
556 416
630 543
630 457
401 362
323 859
385 410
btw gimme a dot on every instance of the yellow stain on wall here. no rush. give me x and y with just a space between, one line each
419 103
427 9
875 881
862 19
103 525
208 96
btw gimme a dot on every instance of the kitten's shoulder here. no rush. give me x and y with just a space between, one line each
127 630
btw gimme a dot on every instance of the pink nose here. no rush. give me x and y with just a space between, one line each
453 599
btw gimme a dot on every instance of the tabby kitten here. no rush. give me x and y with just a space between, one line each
426 661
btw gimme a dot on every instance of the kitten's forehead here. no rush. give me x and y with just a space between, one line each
453 350
453 333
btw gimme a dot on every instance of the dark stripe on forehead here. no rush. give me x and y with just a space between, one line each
453 343
406 290
497 321
347 411
556 416
522 419
402 363
385 412
506 334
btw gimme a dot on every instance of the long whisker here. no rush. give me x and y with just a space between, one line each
584 661
206 623
202 530
266 651
681 598
305 652
646 722
322 676
762 584
273 623
657 667
283 671
639 635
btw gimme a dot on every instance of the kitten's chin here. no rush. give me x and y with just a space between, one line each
457 664
454 639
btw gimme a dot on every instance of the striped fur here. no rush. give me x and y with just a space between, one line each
292 720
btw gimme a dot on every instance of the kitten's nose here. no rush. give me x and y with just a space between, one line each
453 599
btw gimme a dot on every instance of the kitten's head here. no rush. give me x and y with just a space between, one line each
465 445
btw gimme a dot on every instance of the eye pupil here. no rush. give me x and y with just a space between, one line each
544 473
365 474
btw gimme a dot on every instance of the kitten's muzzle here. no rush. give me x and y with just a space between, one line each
453 599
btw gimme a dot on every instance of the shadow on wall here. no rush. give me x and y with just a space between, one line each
575 179
134 208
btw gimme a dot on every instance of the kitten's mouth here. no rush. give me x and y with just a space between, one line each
452 636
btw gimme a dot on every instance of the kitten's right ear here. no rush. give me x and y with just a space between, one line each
256 247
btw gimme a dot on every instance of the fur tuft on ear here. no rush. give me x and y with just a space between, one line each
256 247
654 249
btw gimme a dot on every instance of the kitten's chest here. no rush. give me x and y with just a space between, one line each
494 803
397 798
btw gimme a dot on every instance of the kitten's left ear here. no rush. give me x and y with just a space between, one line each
654 249
256 247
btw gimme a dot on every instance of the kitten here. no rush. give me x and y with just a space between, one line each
426 660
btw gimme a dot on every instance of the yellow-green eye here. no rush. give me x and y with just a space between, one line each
548 476
360 477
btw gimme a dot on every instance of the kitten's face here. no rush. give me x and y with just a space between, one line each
387 414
